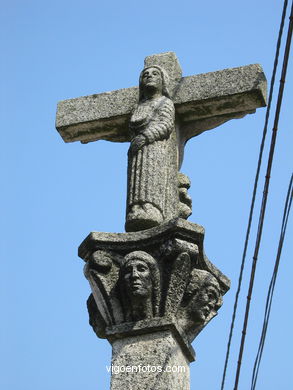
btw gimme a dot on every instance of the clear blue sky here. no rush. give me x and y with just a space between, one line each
53 194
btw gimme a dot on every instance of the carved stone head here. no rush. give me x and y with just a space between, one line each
202 299
203 296
155 77
140 283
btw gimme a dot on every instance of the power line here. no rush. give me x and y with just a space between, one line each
265 194
272 284
254 191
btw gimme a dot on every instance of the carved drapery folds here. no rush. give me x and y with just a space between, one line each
170 279
155 191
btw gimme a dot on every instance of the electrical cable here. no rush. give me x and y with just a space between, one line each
265 194
270 294
254 191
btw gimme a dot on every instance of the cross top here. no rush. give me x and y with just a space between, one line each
158 118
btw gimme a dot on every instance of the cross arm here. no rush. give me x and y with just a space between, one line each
207 100
202 102
94 117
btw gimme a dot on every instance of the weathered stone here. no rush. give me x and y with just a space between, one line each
152 186
184 180
102 271
150 240
185 201
169 279
201 301
170 63
154 325
99 116
153 361
202 102
140 286
158 122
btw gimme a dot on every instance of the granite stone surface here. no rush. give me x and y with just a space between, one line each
213 98
155 362
170 63
152 179
158 119
169 280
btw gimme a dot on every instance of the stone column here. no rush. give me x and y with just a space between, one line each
153 361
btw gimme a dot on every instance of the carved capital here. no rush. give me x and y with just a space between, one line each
169 279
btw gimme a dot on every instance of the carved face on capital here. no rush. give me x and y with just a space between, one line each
140 286
203 295
137 278
152 78
204 303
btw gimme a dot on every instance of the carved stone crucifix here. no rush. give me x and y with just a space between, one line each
159 121
153 288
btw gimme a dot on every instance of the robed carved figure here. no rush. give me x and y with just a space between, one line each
152 157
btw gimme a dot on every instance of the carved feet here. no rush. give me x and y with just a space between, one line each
143 217
146 215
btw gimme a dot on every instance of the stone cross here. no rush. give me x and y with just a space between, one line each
198 103
202 102
153 287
